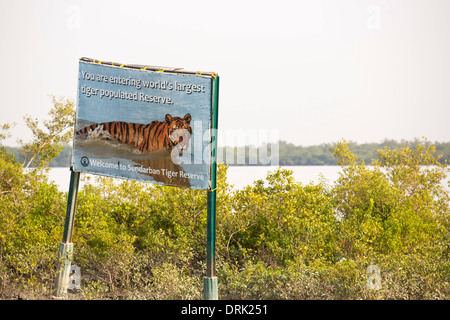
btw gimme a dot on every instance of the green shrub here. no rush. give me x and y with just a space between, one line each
276 238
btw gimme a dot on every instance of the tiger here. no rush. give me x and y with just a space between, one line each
149 137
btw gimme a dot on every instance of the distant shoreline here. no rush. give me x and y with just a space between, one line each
288 153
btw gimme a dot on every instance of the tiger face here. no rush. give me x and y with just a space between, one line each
179 130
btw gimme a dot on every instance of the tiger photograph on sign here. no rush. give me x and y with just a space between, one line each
153 136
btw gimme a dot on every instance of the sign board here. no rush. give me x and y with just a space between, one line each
144 123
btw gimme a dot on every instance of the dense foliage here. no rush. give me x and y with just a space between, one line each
276 238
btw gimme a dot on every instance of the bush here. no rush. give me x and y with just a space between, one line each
276 238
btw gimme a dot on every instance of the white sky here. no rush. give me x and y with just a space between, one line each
317 71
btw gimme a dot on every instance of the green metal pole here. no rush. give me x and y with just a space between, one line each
71 206
210 281
65 252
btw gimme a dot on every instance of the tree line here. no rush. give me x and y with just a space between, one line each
289 154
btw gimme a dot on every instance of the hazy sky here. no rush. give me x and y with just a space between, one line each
317 71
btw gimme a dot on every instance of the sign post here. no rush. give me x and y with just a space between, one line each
150 124
210 281
65 252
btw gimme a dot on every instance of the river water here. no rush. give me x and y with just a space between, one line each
241 176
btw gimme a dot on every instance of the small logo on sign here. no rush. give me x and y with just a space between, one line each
84 161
